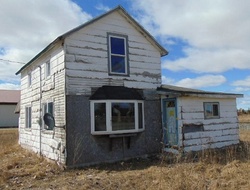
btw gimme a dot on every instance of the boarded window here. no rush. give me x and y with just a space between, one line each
191 128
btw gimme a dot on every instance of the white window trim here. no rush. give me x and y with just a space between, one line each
28 117
29 79
125 56
47 74
109 116
43 112
212 117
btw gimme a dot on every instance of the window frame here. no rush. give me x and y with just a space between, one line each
46 105
28 117
125 38
47 69
108 104
29 79
213 116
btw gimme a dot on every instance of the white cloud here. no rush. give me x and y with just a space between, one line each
102 7
198 82
166 80
244 102
217 31
9 86
28 26
242 83
210 61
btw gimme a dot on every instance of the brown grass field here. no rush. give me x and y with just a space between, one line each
212 169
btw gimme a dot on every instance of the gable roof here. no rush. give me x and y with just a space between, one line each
119 9
181 91
9 96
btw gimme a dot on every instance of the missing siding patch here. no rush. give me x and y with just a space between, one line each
191 128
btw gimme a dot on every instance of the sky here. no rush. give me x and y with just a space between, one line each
208 41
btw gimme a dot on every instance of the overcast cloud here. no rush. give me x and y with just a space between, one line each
28 26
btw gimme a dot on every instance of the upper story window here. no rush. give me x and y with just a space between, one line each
47 69
29 79
28 116
48 107
118 55
211 110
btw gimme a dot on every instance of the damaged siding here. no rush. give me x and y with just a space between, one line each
86 149
87 58
50 143
207 133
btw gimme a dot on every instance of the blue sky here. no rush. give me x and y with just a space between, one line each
208 41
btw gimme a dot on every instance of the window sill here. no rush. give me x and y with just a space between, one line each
45 131
117 133
215 117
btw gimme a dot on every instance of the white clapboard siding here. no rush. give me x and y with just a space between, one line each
211 145
218 132
87 57
214 127
51 89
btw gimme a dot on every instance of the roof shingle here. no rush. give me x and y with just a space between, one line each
9 96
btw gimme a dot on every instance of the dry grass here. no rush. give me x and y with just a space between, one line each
244 118
212 169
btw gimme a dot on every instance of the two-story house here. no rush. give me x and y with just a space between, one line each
102 83
99 82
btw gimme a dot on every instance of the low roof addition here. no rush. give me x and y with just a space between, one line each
181 91
121 11
116 93
9 96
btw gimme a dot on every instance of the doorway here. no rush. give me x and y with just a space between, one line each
170 129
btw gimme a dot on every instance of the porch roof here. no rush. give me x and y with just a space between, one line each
116 93
181 91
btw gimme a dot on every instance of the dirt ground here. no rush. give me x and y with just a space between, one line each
213 169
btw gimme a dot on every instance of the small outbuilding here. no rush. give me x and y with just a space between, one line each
194 120
8 102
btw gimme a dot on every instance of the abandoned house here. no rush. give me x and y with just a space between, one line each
102 83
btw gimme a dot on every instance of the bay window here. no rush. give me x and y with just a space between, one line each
116 116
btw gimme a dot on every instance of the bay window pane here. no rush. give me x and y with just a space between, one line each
123 116
140 117
100 116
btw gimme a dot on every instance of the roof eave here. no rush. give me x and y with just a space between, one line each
163 91
51 45
119 8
